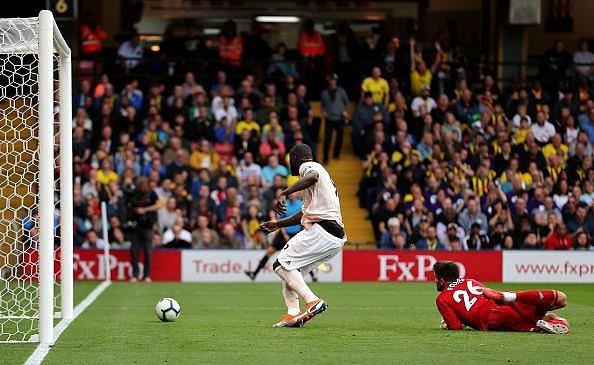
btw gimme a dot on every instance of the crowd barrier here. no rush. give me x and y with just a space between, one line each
359 265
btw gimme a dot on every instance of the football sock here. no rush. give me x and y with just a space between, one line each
508 296
536 297
261 265
291 299
295 280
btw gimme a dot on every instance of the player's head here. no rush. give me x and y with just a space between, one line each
300 154
445 273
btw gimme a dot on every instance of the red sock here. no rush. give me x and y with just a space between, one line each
537 297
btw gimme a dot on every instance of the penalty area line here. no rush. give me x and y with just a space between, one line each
42 350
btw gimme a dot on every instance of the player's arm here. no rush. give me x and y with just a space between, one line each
272 226
305 182
449 316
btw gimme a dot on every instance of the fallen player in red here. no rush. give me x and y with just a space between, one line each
466 302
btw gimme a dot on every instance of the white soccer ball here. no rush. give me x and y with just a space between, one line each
167 310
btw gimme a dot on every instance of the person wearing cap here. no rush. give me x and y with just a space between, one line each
335 103
424 99
452 233
378 86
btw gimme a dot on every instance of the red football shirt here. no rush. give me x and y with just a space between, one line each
462 303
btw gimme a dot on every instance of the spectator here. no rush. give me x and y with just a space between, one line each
582 221
93 241
471 215
559 239
531 242
176 236
273 169
203 236
251 224
131 53
467 111
476 240
168 215
377 86
423 100
279 66
583 60
419 74
335 103
204 157
390 238
555 62
452 233
582 242
430 242
542 130
230 239
364 120
247 168
248 123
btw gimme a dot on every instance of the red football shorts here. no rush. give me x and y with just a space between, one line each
515 316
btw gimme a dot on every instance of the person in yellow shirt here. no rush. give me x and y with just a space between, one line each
522 132
106 174
204 157
420 76
377 86
556 147
248 123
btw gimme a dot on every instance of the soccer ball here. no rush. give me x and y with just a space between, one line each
167 310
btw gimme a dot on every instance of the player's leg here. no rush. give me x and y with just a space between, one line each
546 299
147 242
294 279
134 253
292 302
277 244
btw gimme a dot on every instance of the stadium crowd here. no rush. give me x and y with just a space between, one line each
450 160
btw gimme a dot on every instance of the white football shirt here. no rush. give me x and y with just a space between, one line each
320 201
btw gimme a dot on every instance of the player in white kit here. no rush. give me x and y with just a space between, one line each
321 239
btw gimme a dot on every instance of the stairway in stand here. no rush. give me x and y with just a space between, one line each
346 173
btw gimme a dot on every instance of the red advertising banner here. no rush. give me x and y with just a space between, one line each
417 265
90 265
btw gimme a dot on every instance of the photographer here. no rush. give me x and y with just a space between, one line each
142 205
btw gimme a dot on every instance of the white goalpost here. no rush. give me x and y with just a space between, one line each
36 221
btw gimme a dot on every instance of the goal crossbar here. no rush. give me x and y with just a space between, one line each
23 36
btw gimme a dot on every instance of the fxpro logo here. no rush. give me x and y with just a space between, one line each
94 268
391 267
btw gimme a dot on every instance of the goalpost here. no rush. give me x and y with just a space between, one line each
36 221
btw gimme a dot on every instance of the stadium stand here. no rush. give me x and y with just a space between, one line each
437 153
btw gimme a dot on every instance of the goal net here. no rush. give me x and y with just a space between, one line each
35 179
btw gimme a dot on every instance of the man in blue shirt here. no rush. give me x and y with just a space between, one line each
271 170
586 121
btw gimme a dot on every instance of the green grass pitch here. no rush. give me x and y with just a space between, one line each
367 323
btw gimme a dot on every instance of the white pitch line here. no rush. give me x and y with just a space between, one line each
43 349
